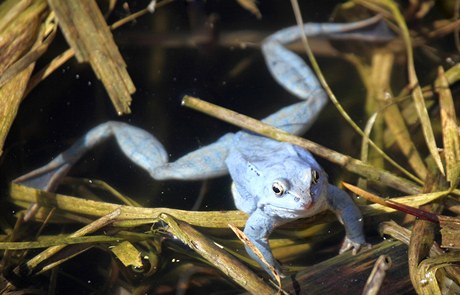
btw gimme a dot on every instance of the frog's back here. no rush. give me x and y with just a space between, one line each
265 152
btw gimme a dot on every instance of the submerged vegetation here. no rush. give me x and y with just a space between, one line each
92 236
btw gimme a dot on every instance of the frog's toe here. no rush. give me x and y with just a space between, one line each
277 269
354 246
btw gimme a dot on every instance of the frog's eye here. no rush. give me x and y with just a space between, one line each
278 188
314 176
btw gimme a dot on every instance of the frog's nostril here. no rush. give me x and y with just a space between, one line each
308 204
296 199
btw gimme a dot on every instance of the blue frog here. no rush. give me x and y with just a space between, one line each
273 182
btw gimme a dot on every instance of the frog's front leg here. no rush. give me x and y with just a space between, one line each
349 215
258 228
142 148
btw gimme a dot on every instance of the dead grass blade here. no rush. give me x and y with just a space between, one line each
404 204
450 226
45 32
33 263
376 77
428 274
392 115
10 97
130 216
22 33
421 240
56 241
364 153
450 231
403 234
449 129
216 256
69 53
417 94
87 33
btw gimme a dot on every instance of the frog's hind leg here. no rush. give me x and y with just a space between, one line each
292 73
140 147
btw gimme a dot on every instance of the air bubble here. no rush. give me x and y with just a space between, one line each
450 61
387 95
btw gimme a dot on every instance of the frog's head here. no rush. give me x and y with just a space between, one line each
293 188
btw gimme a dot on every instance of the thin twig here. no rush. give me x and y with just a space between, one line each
349 163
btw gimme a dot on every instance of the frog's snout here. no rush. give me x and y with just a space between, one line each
304 200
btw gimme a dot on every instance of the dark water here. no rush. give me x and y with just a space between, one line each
72 100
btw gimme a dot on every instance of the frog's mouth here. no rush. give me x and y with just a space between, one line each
302 210
299 206
298 211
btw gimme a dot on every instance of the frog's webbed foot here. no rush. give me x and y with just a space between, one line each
348 244
140 147
349 215
47 177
